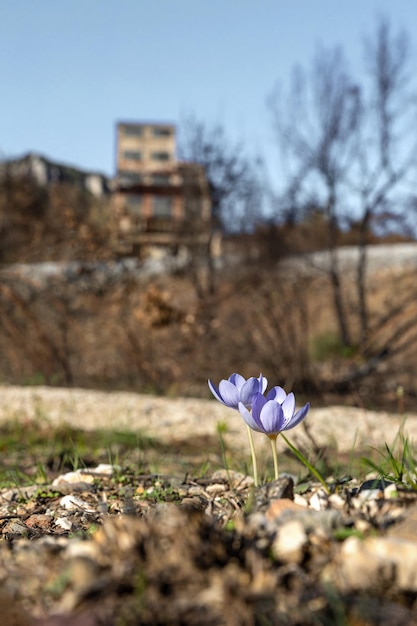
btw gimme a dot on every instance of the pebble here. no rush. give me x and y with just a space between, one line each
72 477
384 561
319 501
74 503
278 507
215 489
235 479
38 520
407 527
14 527
64 523
12 495
85 475
290 542
337 501
300 500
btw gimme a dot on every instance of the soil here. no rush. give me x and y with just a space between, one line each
123 530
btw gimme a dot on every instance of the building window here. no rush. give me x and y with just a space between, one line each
161 179
132 155
160 156
162 206
134 202
133 131
129 178
161 132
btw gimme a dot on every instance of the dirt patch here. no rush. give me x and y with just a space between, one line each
150 530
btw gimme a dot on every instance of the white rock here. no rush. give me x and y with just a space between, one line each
73 503
72 477
215 489
288 546
355 570
319 501
85 475
401 552
63 522
103 468
300 500
361 565
337 501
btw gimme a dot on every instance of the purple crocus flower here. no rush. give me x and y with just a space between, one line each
237 390
274 413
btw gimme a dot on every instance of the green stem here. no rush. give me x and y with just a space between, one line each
273 440
308 465
252 449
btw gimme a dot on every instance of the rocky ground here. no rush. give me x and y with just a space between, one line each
108 543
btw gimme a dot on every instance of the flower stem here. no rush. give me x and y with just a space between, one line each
273 440
252 449
308 465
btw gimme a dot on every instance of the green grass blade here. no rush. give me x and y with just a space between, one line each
307 464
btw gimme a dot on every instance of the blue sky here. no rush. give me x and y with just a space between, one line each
70 69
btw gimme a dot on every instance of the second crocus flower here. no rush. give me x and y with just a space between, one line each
273 414
236 389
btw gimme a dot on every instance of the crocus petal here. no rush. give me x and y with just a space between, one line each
229 393
263 383
272 417
298 417
288 406
278 394
249 391
215 392
237 380
257 405
249 418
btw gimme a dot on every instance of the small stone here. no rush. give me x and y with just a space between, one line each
73 503
354 570
235 479
362 525
195 490
38 520
387 562
14 527
103 469
402 554
319 501
86 475
283 487
391 492
407 527
64 523
215 489
278 507
337 501
12 495
290 542
300 500
372 484
369 494
72 477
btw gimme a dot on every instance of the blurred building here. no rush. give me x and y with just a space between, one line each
46 172
159 202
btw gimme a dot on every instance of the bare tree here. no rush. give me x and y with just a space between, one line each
316 128
234 177
387 146
352 148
